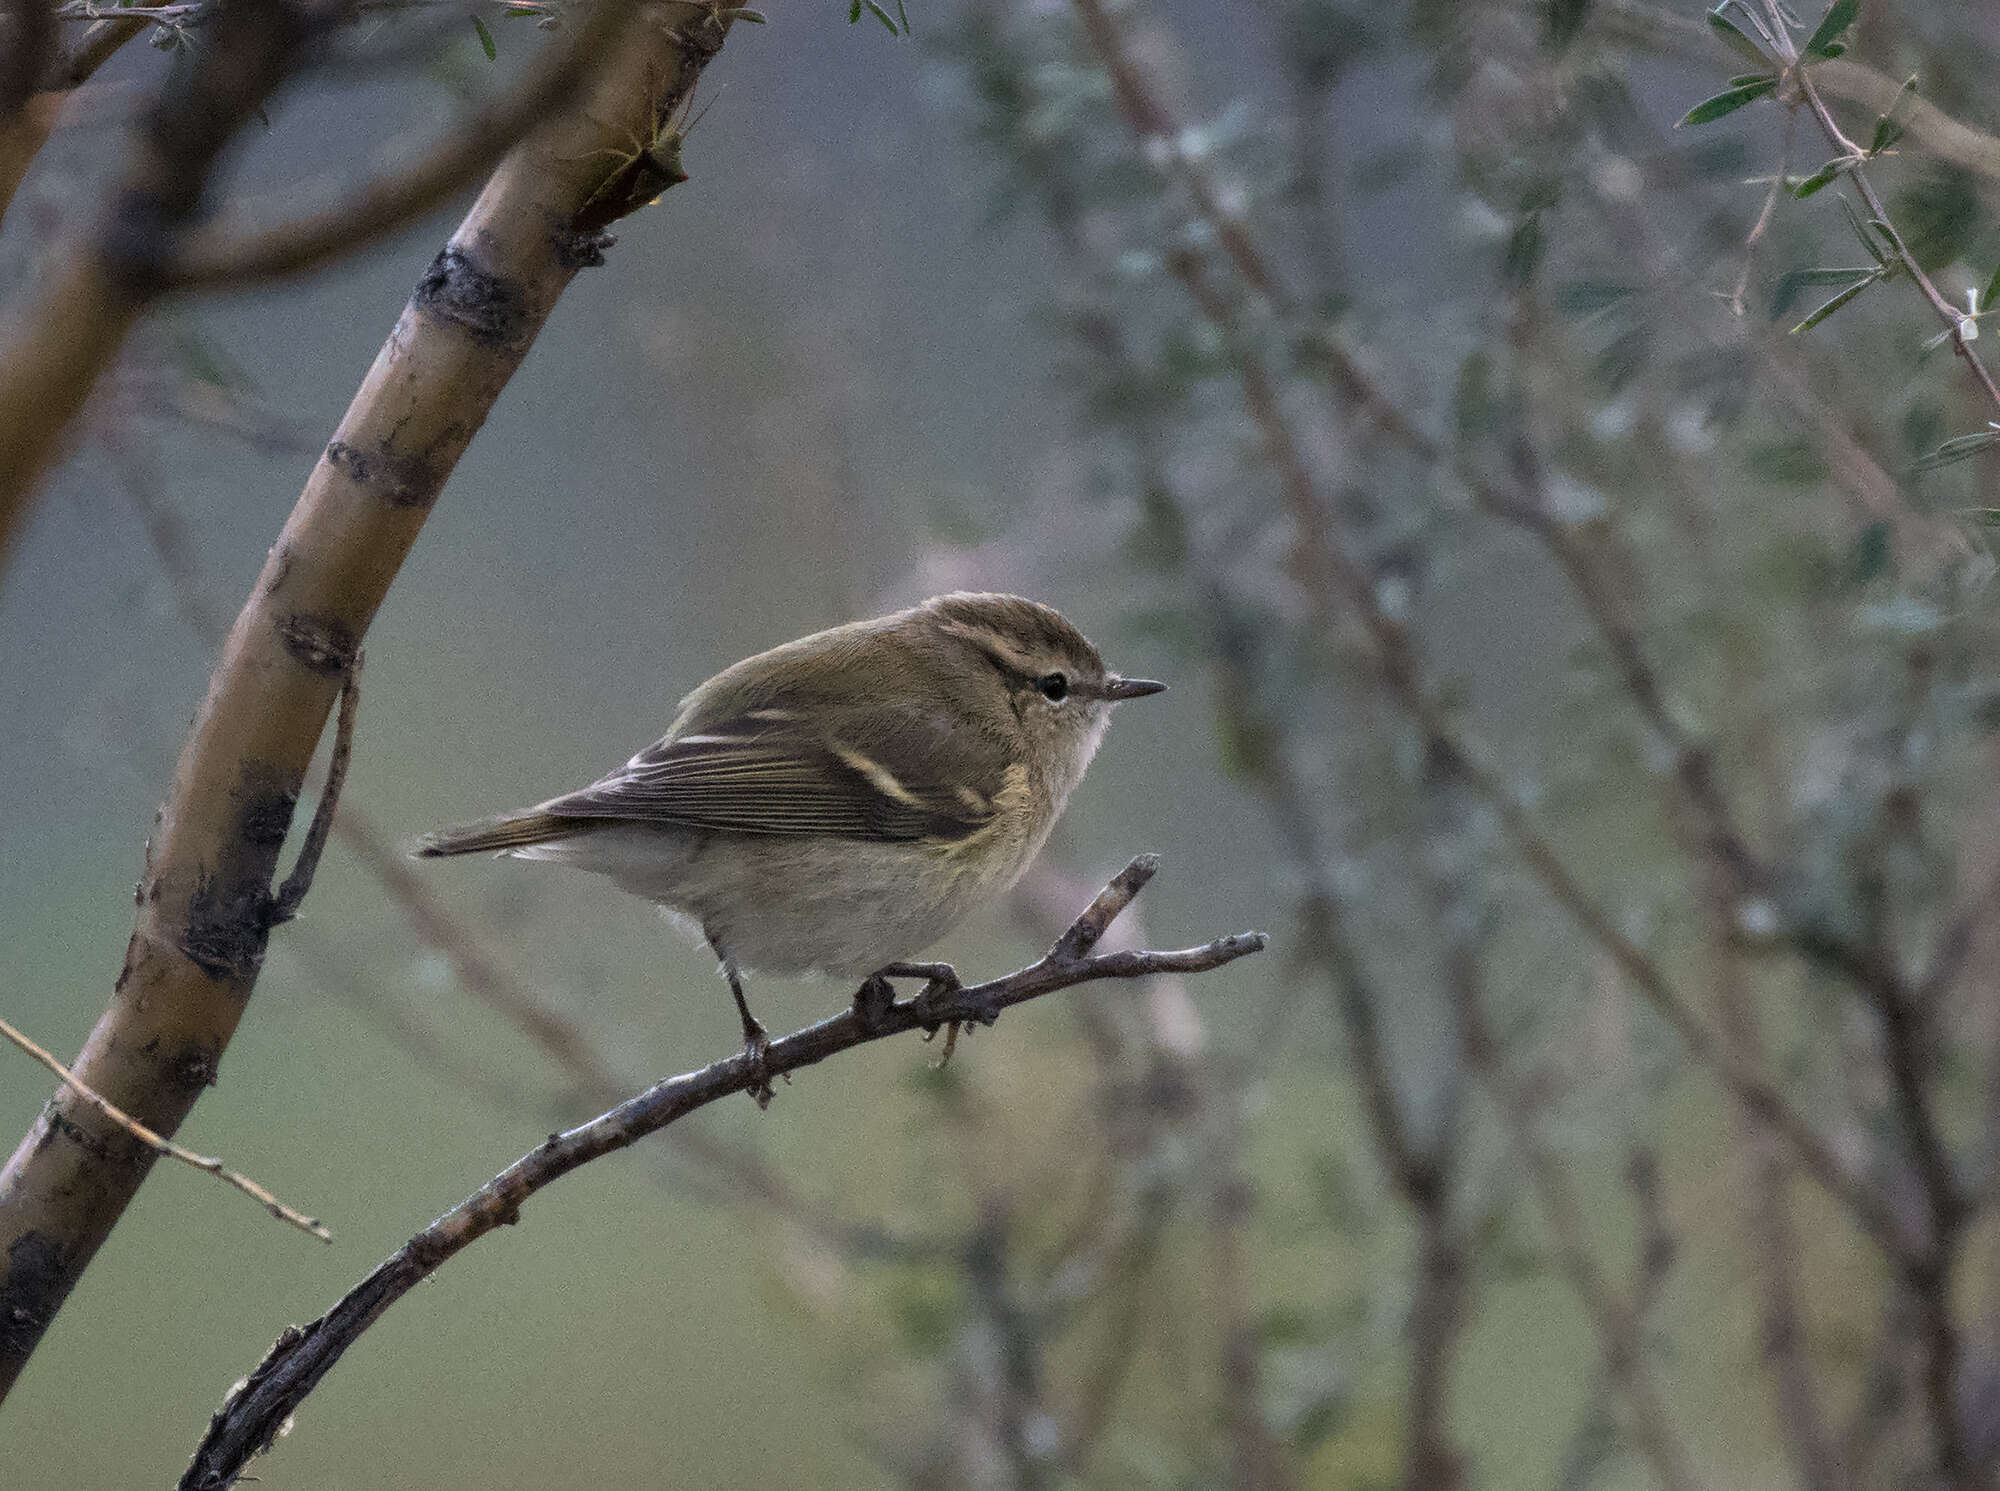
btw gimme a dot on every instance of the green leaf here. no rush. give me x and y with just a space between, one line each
1869 558
926 1310
1794 462
1835 304
1524 250
1561 20
1286 1325
1832 276
1793 280
1938 214
1318 1420
1735 36
1475 404
1992 289
1588 297
881 15
1786 295
1822 177
1889 128
1861 232
1964 447
1836 20
485 40
1338 1193
1728 103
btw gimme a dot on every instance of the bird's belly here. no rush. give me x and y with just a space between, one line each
836 906
779 905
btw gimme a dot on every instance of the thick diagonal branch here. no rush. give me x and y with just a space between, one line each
268 1397
206 904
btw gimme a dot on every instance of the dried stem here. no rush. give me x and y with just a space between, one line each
253 1414
167 1147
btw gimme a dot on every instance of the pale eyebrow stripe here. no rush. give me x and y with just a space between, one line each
879 776
993 645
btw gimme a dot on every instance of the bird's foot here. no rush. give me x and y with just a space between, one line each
939 978
872 1001
757 1046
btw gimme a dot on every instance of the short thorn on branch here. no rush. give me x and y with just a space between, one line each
251 1417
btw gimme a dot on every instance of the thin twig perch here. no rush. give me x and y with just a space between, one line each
254 1412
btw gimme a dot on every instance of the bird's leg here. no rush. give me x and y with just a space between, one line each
756 1040
756 1045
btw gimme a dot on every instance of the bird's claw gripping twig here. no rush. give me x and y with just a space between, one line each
757 1046
872 1002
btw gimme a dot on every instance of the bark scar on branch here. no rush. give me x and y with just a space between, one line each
254 1411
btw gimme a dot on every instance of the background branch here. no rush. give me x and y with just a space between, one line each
228 254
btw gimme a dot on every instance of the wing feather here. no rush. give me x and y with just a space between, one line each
760 774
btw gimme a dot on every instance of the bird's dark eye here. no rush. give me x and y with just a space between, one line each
1054 687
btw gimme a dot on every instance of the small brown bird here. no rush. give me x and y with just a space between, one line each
838 803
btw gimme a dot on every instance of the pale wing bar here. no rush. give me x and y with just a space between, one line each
773 784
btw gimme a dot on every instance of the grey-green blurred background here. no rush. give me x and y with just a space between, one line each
832 374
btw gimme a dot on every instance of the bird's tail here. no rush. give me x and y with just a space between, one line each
508 831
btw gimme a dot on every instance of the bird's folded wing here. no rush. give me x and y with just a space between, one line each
750 775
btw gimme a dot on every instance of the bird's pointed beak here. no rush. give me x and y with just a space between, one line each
1116 688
